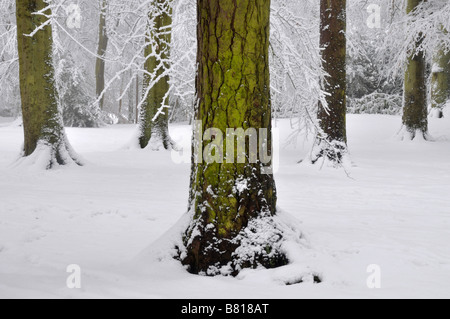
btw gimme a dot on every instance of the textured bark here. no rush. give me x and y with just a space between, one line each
233 90
158 53
332 139
440 80
415 112
101 51
137 101
42 121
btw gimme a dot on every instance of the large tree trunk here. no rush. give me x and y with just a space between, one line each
101 51
440 81
331 143
42 122
415 111
154 127
231 198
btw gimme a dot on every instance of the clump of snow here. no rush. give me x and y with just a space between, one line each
210 191
156 143
435 112
269 237
435 68
329 155
241 185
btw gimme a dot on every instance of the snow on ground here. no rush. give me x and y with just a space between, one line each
393 211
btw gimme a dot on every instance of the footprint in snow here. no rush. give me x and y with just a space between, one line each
33 237
108 213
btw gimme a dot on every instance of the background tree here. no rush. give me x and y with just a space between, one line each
414 35
415 111
154 119
295 64
42 122
9 66
331 144
101 52
369 89
440 80
77 107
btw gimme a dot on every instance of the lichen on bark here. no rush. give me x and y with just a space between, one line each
233 90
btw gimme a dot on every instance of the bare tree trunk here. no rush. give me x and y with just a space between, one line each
101 51
415 111
154 125
121 93
42 121
440 81
229 199
137 100
332 138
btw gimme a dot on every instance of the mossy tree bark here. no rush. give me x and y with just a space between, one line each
42 121
233 90
415 111
332 137
101 52
440 81
154 125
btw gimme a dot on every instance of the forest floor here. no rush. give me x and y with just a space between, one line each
393 210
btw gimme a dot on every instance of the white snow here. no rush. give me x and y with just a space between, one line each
113 216
241 185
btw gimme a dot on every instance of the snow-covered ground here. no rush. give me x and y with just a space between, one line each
393 211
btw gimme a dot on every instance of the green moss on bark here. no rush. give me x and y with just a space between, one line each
233 89
42 121
158 53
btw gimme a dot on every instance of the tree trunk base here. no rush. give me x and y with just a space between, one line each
47 156
329 153
158 143
263 243
413 135
156 140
